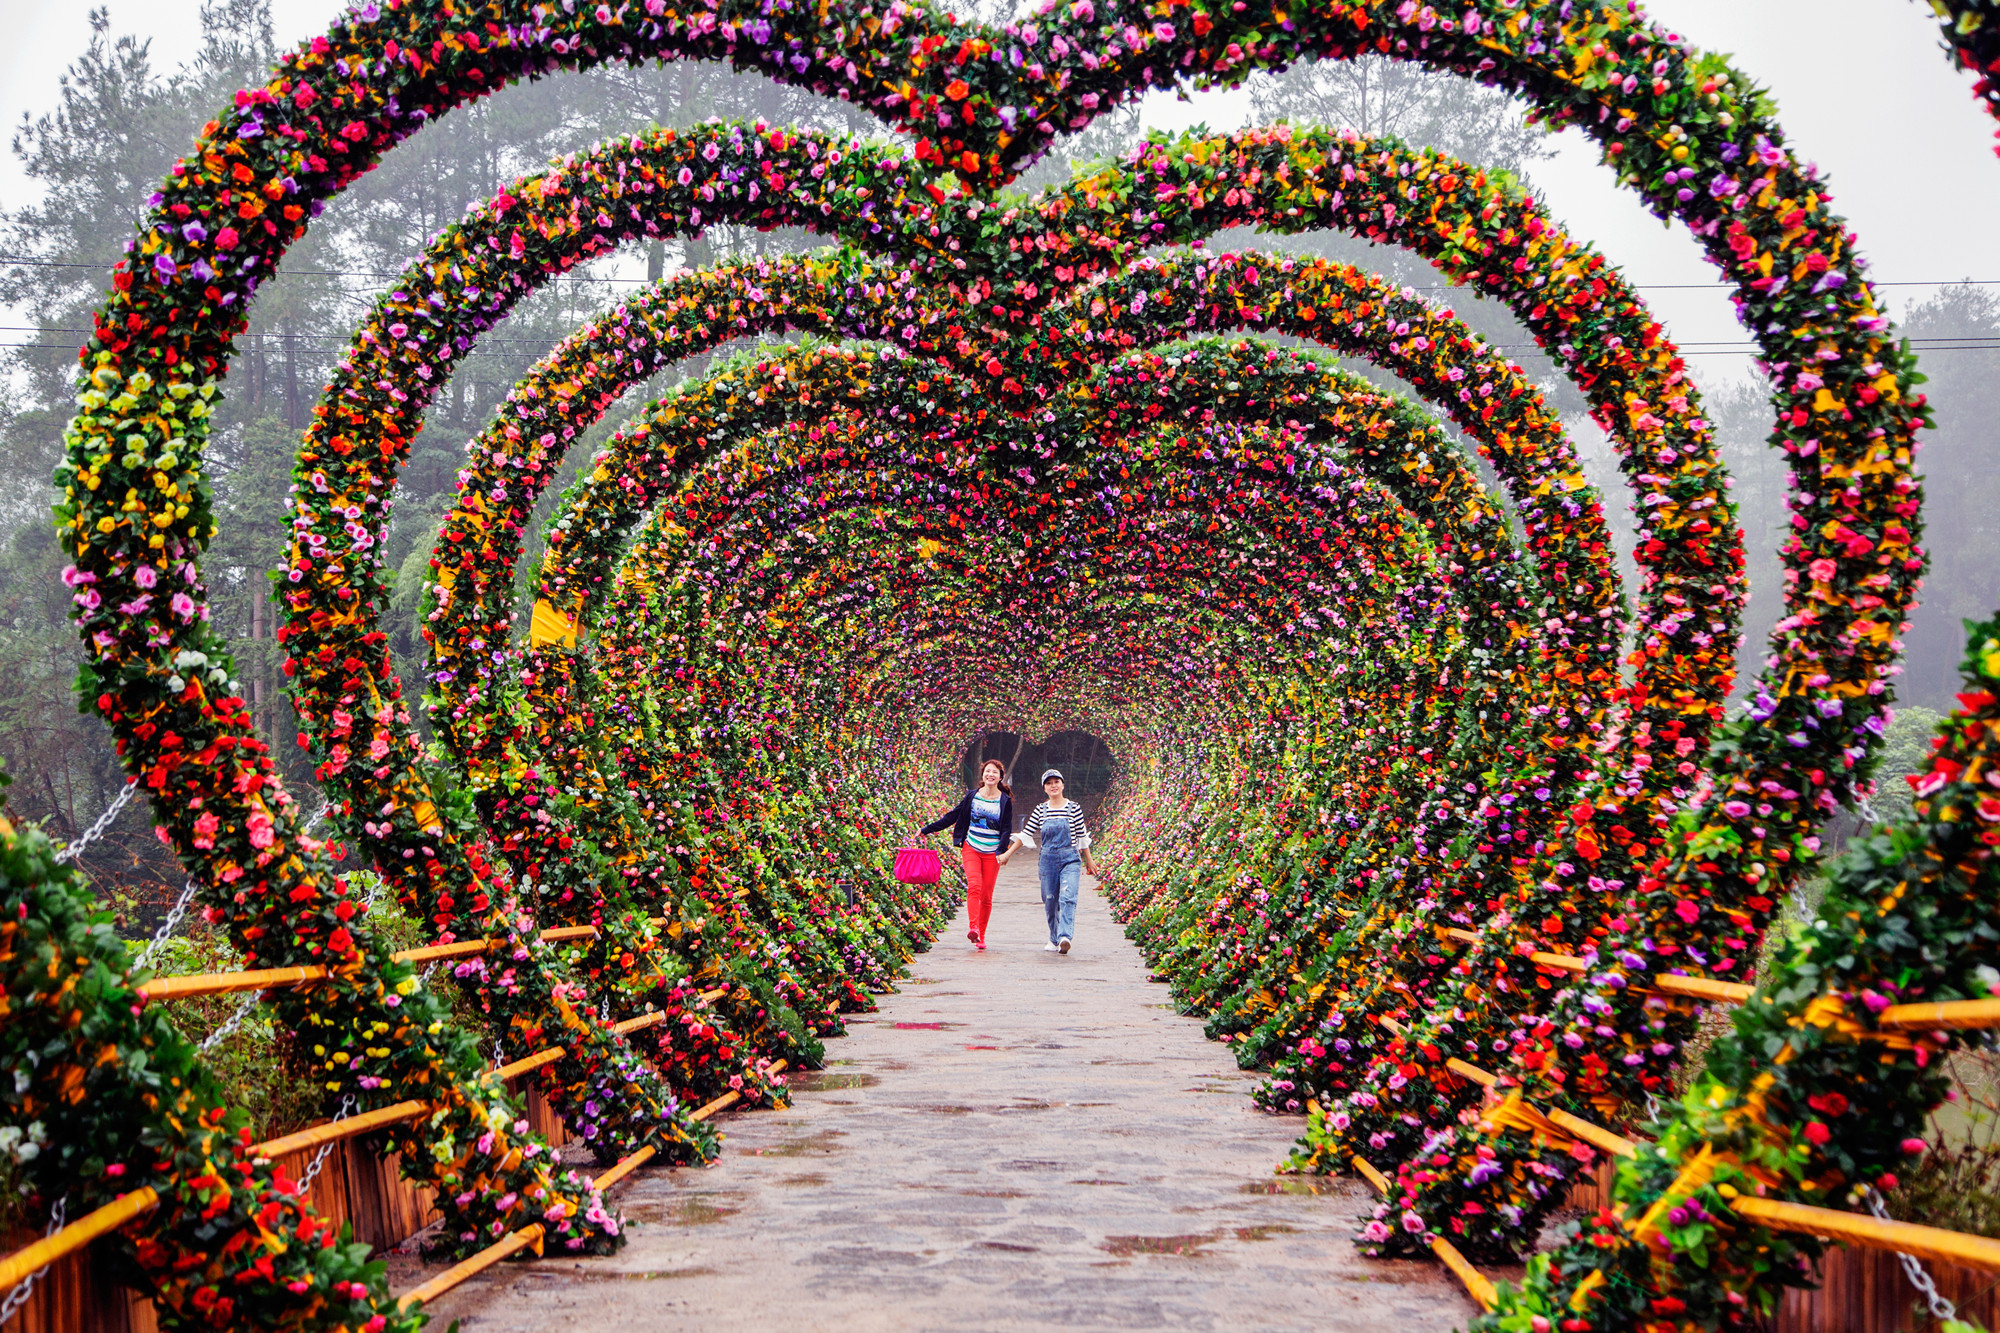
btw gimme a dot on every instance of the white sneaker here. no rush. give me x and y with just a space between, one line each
1050 948
1064 946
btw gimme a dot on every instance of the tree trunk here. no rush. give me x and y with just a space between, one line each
292 415
257 627
253 386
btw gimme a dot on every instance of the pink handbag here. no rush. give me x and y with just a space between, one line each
918 865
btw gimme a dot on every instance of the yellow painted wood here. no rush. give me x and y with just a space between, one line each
75 1236
1596 1135
510 1243
1935 1243
334 1130
551 627
1473 1072
1943 1014
222 983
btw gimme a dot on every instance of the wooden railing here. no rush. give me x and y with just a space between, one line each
1849 1228
273 978
1920 1242
125 1207
1692 988
516 1241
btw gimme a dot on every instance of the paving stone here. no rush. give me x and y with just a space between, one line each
1018 1140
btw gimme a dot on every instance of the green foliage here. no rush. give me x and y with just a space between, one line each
1905 752
253 1064
104 1096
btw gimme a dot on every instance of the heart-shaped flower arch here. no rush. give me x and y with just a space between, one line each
1678 126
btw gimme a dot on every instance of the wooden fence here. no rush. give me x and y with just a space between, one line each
1861 1291
357 1186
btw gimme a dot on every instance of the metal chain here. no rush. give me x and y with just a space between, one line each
166 929
319 1158
1941 1309
252 999
18 1297
233 1022
96 831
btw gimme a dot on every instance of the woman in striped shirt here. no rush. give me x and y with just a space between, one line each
980 826
1057 829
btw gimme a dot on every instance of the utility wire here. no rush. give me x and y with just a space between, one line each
1721 345
370 273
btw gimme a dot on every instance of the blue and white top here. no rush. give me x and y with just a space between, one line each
1071 813
983 833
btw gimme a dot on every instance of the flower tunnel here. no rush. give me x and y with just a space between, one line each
1428 816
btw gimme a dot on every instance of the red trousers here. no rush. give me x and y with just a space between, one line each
980 868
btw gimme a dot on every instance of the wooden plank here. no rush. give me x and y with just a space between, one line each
542 1117
431 952
532 1235
624 1168
1473 1072
1560 962
1944 1014
76 1235
1596 1135
513 1242
1704 988
1475 1281
333 1130
75 1296
528 1062
1909 1238
1698 988
223 983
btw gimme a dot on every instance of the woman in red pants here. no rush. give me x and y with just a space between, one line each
981 825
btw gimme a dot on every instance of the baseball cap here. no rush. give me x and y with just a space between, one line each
1051 773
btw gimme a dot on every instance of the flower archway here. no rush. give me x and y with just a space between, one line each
1460 827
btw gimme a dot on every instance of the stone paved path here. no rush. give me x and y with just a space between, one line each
1017 1140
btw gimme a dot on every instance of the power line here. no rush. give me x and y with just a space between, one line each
308 272
1722 345
321 342
371 273
324 339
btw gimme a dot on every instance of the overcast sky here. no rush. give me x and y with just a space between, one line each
1907 148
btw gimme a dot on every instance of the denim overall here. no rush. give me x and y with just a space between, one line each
1062 877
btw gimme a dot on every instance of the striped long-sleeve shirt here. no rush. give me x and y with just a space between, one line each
1071 813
